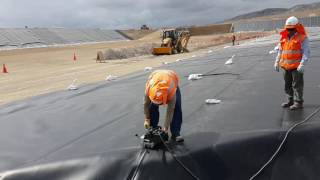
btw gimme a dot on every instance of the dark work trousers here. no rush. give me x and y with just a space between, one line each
176 122
233 40
293 85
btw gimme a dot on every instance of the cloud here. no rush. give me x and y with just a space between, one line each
127 13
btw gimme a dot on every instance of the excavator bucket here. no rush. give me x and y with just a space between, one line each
162 50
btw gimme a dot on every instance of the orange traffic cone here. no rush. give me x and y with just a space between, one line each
4 69
74 57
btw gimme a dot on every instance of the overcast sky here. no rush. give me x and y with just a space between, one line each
114 14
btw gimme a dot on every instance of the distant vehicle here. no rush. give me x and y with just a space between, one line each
144 27
173 41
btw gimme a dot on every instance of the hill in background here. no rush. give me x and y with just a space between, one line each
303 10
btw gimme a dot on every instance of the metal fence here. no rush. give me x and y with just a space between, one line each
273 24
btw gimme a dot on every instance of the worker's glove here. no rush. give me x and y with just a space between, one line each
300 68
146 123
276 66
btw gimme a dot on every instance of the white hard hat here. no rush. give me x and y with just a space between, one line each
291 22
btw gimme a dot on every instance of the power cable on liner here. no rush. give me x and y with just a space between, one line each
283 141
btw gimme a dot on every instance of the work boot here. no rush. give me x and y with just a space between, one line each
287 104
296 106
178 138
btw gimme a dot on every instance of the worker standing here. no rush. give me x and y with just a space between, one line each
293 55
233 38
162 89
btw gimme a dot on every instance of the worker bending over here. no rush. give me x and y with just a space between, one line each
162 89
293 55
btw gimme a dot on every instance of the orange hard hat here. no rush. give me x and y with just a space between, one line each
158 93
161 86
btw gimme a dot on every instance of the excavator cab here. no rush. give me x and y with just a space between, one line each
169 34
171 42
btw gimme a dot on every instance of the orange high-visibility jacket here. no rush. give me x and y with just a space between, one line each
161 86
291 50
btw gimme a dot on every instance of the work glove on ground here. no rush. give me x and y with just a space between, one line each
276 66
147 123
300 68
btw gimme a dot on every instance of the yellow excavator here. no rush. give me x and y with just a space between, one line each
173 41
